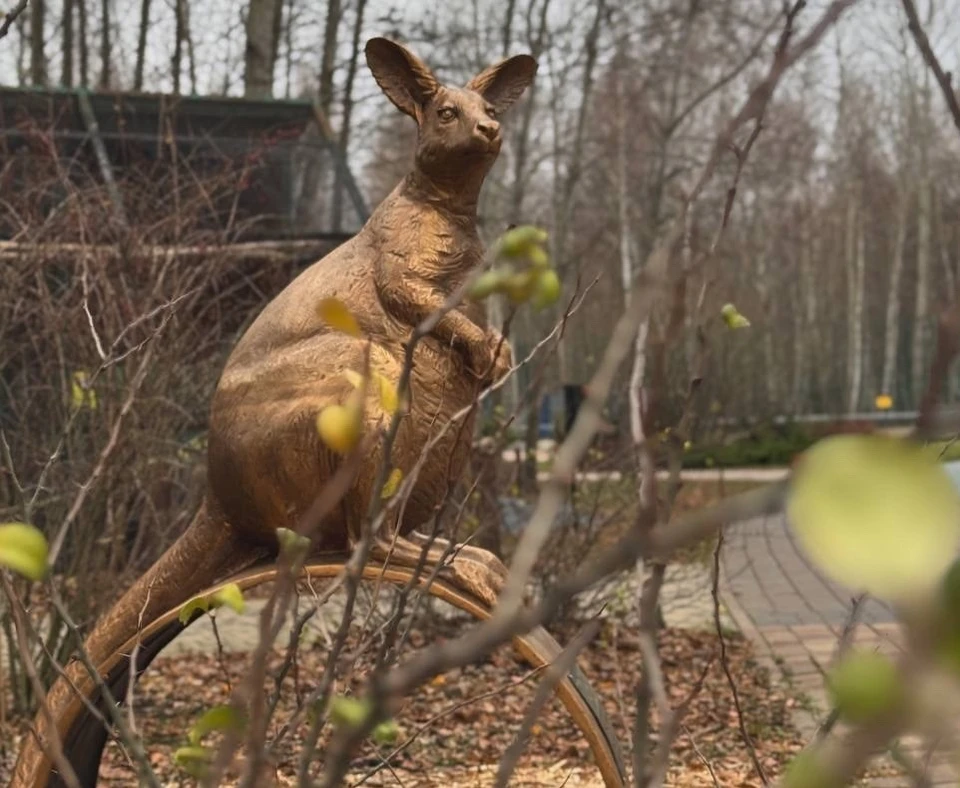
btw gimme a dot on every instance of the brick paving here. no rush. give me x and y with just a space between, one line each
794 616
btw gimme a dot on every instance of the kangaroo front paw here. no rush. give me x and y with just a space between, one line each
494 358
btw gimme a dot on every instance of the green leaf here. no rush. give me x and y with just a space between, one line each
291 543
807 771
219 718
865 685
386 732
349 712
518 242
488 283
546 290
23 548
194 760
877 514
732 317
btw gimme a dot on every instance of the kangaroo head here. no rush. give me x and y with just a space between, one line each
457 127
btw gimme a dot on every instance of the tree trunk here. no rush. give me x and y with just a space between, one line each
345 121
105 77
176 62
38 53
855 283
766 336
84 51
188 40
892 326
260 54
921 310
506 32
574 169
66 54
288 42
330 30
141 45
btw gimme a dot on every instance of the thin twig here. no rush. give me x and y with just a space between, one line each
55 745
741 722
554 675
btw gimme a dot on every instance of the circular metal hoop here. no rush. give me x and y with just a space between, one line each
84 738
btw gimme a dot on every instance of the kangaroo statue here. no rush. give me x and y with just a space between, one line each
266 463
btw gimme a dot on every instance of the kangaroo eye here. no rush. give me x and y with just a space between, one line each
491 111
447 113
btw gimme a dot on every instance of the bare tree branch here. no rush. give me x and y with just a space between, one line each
944 78
11 16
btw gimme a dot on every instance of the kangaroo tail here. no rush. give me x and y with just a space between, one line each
207 551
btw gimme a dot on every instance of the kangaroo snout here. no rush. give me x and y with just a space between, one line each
488 129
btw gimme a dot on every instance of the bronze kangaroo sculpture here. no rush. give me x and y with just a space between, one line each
265 461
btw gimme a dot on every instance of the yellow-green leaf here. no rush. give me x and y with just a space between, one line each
386 732
231 596
518 241
23 548
335 314
392 483
219 718
546 289
355 378
191 606
81 394
339 427
865 685
732 317
486 284
194 760
877 514
292 543
349 712
389 400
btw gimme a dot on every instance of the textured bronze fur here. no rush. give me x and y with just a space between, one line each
265 462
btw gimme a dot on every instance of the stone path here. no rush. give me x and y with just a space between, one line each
795 616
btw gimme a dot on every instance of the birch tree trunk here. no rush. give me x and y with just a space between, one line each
801 335
921 309
766 336
924 220
892 325
855 246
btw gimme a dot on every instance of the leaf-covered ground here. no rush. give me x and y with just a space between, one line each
461 723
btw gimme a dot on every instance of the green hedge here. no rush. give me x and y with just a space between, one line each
778 444
765 444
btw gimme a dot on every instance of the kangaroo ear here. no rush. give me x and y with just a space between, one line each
502 83
406 79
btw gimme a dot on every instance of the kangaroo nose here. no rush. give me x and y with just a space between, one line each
488 128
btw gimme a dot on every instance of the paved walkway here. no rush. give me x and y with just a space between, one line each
795 616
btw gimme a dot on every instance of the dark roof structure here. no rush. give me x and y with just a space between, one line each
291 180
